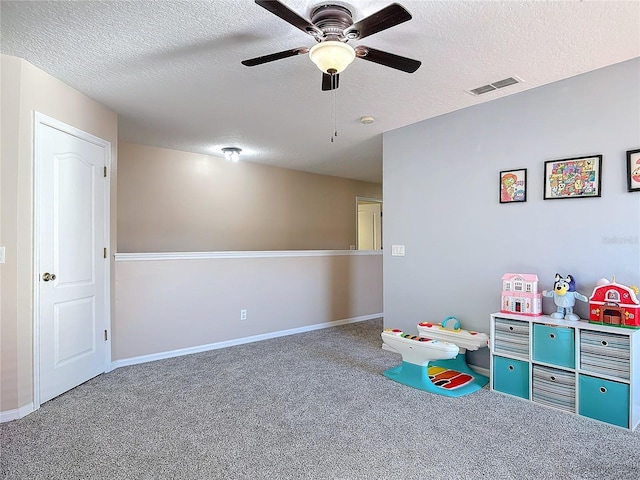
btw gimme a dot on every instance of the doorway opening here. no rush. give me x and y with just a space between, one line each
369 223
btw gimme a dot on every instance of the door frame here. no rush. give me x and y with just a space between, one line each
365 200
40 120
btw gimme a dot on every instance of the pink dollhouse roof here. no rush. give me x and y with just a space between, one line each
527 277
627 295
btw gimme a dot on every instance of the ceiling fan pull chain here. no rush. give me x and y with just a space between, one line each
334 108
335 113
332 99
335 128
331 111
334 105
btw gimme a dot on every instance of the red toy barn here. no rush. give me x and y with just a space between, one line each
614 304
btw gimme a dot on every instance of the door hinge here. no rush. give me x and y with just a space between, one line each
106 337
105 252
105 172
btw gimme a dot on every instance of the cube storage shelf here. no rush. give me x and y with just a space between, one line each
579 367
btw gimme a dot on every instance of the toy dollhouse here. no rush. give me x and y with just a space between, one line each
614 304
520 294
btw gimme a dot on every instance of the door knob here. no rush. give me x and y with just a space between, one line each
48 276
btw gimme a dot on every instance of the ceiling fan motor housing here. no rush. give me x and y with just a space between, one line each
333 20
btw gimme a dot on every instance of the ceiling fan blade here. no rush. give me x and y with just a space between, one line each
387 59
388 17
330 82
289 16
252 62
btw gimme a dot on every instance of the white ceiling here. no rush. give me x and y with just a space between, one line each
172 72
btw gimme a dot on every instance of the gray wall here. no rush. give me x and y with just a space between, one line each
440 187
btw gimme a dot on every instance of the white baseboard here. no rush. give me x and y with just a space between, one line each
16 413
237 341
481 370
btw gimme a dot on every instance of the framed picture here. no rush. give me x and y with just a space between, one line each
578 177
633 170
513 186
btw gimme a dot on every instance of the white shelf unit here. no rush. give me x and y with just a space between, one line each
584 368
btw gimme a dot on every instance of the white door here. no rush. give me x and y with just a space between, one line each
71 269
366 230
370 226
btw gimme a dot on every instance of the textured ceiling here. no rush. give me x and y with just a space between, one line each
172 72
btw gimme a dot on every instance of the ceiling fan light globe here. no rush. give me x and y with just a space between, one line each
332 56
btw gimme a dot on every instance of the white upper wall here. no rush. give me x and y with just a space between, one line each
441 186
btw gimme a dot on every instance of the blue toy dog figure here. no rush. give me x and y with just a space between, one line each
564 296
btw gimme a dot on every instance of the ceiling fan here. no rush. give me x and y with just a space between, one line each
332 27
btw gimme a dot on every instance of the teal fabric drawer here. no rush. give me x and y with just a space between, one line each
554 345
511 376
604 400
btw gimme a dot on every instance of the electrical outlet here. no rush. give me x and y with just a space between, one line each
243 314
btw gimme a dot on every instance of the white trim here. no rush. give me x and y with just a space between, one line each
107 244
236 341
481 370
40 119
17 413
138 257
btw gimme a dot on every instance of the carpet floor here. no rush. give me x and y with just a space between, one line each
309 406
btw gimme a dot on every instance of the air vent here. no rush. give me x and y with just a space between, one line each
494 86
505 83
481 90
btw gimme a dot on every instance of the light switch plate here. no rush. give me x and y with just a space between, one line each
1 254
397 250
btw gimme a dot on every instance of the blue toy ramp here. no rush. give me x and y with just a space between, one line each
452 378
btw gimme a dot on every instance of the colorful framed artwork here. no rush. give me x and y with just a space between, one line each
513 186
578 177
633 170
